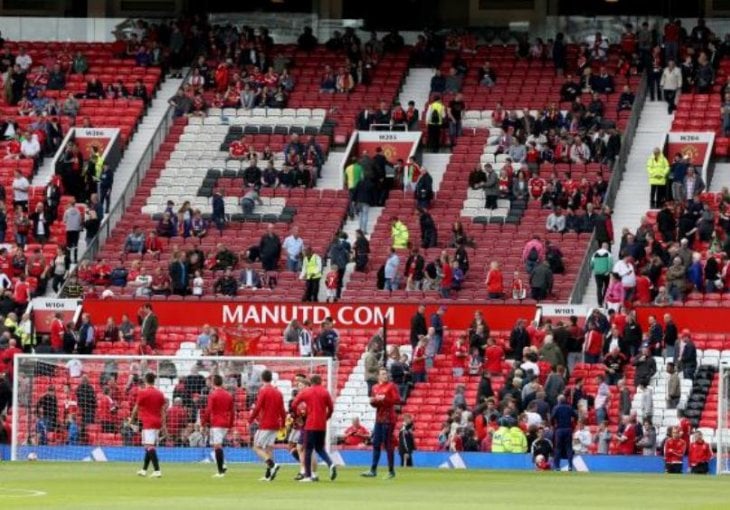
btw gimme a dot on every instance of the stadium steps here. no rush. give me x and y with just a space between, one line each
661 416
702 403
134 153
632 198
332 177
416 88
350 227
353 401
722 170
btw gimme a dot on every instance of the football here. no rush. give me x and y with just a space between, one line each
32 456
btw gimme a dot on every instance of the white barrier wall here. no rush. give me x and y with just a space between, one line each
26 28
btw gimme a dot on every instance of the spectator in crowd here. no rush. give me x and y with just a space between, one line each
685 358
494 281
541 281
674 388
356 435
645 367
398 233
270 249
435 118
226 284
390 271
671 83
555 221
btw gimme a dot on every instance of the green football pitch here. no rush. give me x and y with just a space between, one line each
40 485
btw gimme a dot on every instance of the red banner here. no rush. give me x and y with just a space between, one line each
278 315
241 342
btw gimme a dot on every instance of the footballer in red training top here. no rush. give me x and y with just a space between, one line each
151 409
219 416
319 410
674 449
384 398
271 415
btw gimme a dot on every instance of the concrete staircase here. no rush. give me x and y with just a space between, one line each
332 177
632 200
416 88
353 401
720 178
662 417
134 152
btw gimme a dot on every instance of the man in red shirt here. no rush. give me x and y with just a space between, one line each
356 434
218 416
319 411
418 362
57 330
494 357
700 455
21 294
674 448
7 358
151 409
384 398
269 410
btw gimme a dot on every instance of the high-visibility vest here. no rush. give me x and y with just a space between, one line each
518 441
501 440
400 235
658 169
312 267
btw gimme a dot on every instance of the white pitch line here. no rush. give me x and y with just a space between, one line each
6 492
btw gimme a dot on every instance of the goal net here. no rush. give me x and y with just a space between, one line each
722 434
78 408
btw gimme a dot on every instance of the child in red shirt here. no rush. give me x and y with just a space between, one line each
331 283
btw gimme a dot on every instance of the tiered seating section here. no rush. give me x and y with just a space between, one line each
117 113
499 240
327 206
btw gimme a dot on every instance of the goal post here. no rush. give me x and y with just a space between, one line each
78 408
722 434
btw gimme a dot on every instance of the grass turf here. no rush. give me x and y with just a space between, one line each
184 486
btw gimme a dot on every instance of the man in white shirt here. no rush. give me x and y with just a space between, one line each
391 271
74 367
293 244
671 82
20 190
555 221
23 60
30 147
203 340
305 341
601 400
625 269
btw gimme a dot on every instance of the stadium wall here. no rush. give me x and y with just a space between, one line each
442 460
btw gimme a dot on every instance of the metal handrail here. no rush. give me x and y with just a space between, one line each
120 206
619 167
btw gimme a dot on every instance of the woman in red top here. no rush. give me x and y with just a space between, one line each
495 282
